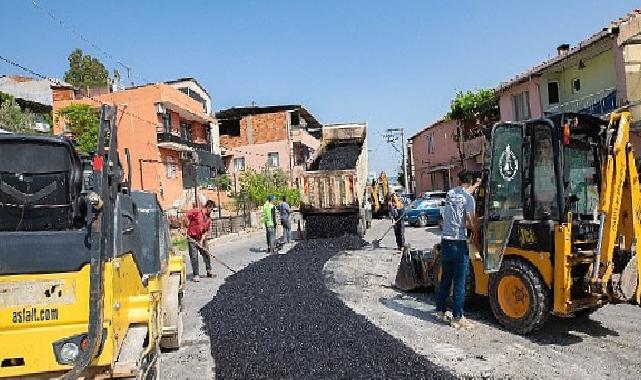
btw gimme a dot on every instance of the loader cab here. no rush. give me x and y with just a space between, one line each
541 172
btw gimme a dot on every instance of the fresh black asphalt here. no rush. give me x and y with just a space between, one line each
277 319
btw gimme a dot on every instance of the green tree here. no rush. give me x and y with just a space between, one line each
83 121
86 71
222 182
14 119
257 185
475 111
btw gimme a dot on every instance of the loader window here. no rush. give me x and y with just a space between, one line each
544 181
580 169
506 171
504 197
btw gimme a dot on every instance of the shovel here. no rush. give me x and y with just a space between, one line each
197 243
377 242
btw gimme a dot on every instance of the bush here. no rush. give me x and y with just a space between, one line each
257 185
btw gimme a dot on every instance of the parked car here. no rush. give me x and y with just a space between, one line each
406 198
426 210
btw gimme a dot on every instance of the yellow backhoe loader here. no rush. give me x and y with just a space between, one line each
560 212
89 286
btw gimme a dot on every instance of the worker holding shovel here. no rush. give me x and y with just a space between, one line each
199 225
397 212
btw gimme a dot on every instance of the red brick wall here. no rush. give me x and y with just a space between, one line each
268 127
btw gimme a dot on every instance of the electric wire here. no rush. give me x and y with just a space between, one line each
57 82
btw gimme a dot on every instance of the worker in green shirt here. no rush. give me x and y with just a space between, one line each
269 219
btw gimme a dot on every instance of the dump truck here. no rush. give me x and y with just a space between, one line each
560 211
334 191
89 284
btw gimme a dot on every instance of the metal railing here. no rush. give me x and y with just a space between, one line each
164 136
598 103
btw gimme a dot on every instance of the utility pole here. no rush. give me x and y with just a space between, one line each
391 136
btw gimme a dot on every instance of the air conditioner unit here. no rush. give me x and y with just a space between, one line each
186 156
160 109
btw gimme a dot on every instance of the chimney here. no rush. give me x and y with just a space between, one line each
562 49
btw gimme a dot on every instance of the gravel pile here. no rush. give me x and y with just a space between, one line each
276 319
340 157
328 226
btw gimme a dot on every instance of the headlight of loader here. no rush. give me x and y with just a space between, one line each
69 352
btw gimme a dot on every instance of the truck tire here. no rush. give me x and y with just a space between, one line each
172 314
519 298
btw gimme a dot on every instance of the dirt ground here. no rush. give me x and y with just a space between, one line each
606 344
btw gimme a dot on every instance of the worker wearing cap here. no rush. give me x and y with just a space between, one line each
269 220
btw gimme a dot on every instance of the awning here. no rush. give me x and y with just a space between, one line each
439 168
175 146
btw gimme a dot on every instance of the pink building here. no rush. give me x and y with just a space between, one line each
437 158
255 137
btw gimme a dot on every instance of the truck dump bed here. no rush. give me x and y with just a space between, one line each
335 184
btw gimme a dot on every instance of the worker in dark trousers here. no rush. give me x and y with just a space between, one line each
269 220
199 224
397 212
284 211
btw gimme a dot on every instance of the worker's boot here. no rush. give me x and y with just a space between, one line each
210 274
195 278
462 324
444 316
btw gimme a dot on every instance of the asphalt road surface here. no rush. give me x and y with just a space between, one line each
603 345
318 312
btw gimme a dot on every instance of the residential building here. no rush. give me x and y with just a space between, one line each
280 136
598 75
35 95
168 134
437 158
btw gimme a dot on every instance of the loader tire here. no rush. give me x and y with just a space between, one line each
519 298
172 314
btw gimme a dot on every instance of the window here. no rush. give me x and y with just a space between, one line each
430 144
576 85
239 164
185 131
207 134
171 167
521 106
272 159
506 169
544 189
553 92
229 127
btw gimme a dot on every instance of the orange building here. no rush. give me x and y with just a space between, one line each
168 134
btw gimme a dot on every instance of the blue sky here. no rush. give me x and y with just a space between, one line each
393 64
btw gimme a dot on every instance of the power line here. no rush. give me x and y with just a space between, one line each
77 34
83 38
59 83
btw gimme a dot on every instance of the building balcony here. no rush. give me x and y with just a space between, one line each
172 141
599 103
